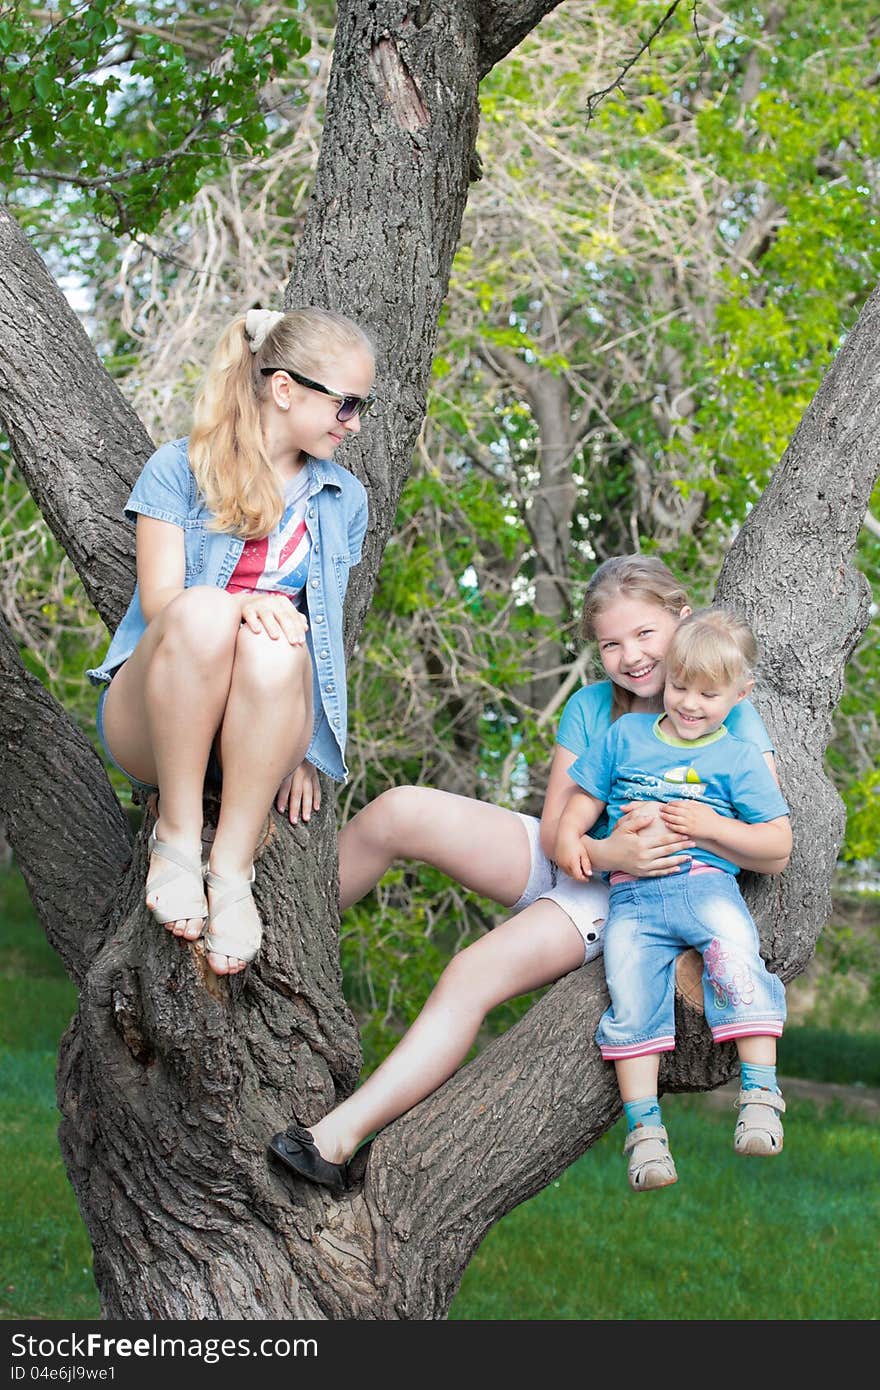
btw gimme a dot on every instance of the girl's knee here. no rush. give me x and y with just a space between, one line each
464 982
453 979
205 620
385 820
395 813
272 666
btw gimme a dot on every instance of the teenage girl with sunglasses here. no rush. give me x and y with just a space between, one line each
229 659
632 608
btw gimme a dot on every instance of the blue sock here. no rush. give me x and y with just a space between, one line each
753 1077
642 1112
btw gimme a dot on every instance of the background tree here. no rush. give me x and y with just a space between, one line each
169 1083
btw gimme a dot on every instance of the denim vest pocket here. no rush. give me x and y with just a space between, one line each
342 568
195 541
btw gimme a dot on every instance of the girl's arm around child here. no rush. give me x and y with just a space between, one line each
764 843
572 844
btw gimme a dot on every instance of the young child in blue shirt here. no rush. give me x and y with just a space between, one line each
705 783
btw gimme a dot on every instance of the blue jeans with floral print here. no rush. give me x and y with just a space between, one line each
650 921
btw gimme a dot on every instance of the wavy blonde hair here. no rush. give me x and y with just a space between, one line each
227 452
715 646
634 577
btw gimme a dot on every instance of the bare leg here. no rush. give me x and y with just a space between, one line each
163 709
197 670
534 948
759 1049
637 1076
484 848
265 732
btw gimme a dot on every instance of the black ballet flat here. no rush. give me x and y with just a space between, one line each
297 1150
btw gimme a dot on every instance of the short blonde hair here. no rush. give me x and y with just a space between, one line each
226 449
715 646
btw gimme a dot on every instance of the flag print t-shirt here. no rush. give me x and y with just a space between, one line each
279 562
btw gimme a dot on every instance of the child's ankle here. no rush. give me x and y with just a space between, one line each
642 1112
757 1076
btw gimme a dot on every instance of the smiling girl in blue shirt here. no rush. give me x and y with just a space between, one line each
230 655
700 779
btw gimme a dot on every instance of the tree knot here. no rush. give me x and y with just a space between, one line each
397 86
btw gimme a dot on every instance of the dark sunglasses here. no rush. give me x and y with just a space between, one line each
350 405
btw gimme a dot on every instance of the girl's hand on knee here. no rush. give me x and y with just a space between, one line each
299 794
276 616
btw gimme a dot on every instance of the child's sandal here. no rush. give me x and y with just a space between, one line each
650 1162
240 937
759 1128
181 887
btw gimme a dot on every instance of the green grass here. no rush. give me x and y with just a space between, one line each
793 1238
825 1054
46 1269
46 1262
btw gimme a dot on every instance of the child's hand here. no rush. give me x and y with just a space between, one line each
652 854
573 857
690 818
275 615
299 794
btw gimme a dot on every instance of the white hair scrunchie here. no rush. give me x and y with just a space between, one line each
258 324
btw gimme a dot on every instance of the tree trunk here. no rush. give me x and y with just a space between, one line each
78 444
790 573
170 1080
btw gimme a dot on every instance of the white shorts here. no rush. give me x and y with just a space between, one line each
586 904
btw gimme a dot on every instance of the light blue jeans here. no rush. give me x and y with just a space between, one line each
650 921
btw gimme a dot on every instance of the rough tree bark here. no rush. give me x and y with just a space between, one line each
170 1081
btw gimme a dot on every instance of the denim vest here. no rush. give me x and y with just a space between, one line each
336 519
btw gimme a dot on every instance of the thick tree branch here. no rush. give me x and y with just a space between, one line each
504 24
790 571
71 839
77 442
799 538
193 1074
